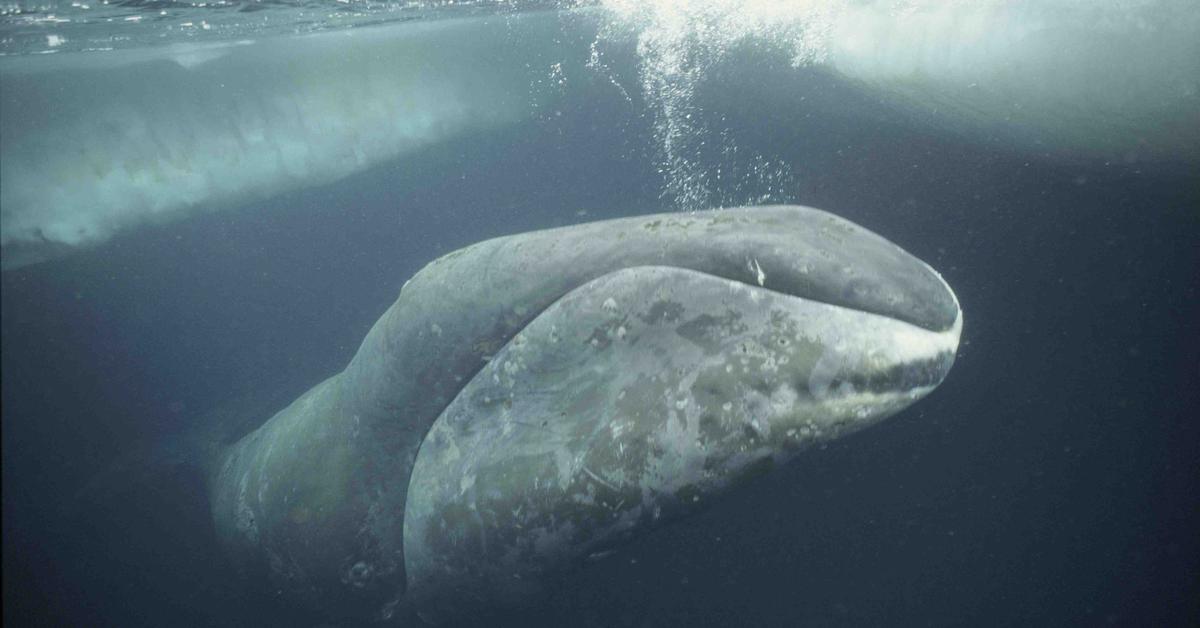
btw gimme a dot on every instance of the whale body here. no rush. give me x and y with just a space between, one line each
534 399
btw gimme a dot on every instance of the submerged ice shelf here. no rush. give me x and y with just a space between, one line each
97 143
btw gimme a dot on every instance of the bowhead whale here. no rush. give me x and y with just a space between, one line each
535 399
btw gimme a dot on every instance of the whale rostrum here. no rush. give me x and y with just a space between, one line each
532 400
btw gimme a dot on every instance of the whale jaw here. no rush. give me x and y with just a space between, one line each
632 401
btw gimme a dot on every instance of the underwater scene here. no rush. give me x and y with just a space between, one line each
629 313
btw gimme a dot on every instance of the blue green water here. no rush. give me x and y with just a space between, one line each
153 283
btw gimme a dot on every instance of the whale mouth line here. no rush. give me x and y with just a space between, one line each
734 278
923 368
957 323
915 375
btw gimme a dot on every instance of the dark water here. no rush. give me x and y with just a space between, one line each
1051 480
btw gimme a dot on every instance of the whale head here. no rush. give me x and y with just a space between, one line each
736 342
